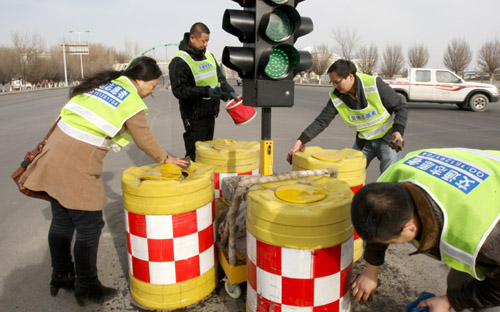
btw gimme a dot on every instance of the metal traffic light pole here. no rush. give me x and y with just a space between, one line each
266 143
268 61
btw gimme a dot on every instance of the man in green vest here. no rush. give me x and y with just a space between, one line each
199 84
446 201
369 106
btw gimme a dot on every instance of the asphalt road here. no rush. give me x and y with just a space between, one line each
24 259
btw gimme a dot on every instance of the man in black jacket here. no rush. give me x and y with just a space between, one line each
198 83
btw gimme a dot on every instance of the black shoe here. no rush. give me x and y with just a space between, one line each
97 293
61 280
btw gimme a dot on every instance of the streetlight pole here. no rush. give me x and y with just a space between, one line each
81 59
65 68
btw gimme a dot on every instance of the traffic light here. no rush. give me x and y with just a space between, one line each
268 61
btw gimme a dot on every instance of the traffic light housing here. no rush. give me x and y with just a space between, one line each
268 61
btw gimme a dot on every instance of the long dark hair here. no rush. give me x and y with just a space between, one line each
141 68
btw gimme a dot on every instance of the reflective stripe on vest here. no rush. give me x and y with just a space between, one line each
461 182
92 117
102 112
204 71
372 122
82 135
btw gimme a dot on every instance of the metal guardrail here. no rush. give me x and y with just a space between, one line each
32 90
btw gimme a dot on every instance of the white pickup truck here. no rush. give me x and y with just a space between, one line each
443 86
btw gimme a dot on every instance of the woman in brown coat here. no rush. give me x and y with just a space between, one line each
105 111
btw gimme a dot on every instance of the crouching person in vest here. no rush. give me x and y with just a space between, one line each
105 111
447 202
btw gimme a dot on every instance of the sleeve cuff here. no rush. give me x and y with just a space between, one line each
304 139
398 128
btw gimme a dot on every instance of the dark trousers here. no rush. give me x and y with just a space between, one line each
455 281
88 225
201 129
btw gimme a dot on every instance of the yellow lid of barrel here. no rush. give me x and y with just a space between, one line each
226 148
224 145
300 193
329 156
309 213
315 157
229 156
183 191
353 178
163 172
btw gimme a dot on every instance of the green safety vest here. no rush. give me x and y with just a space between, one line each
371 122
97 116
204 72
464 183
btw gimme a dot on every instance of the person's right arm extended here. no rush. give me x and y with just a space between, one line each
316 127
147 142
367 282
320 123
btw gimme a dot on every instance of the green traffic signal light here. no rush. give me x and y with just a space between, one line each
280 1
278 65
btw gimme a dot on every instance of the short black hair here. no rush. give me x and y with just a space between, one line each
199 28
380 210
343 68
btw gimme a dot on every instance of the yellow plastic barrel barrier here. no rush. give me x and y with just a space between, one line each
170 217
299 245
352 169
229 158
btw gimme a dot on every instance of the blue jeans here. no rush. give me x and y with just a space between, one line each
380 149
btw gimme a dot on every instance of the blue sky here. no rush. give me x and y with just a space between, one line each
152 22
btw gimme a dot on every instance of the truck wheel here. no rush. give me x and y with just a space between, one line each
478 102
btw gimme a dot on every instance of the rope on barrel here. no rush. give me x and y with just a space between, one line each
245 183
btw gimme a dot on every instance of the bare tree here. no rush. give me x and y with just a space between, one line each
28 60
457 56
392 60
368 58
131 48
27 47
489 58
48 66
8 59
101 58
321 60
418 55
346 42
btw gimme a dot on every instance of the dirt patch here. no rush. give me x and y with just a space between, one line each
402 279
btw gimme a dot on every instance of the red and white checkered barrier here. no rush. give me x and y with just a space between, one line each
169 249
356 188
298 280
218 177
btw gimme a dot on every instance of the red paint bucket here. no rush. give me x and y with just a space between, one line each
240 113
